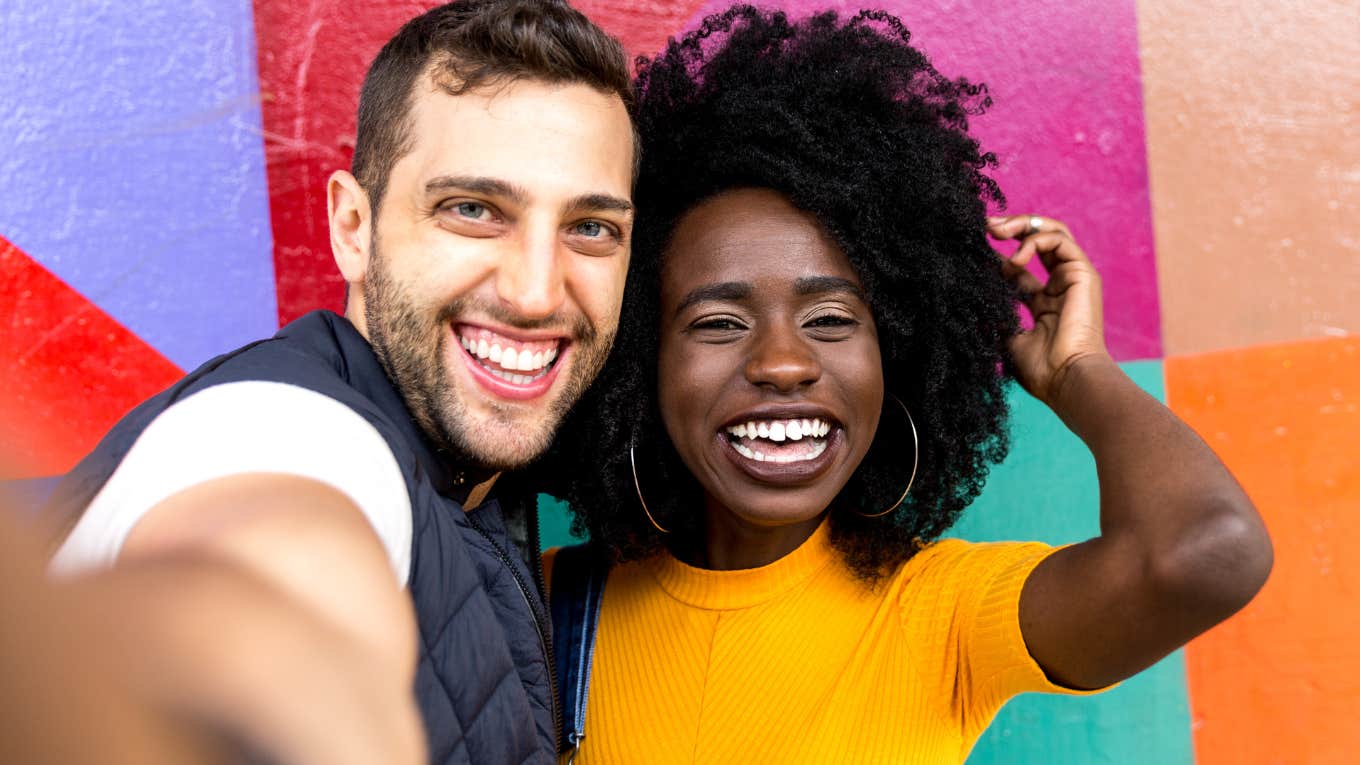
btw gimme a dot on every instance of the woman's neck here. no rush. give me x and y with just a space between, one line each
730 542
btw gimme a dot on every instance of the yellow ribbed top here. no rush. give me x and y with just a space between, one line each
798 662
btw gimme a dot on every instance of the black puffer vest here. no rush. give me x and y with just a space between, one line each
485 680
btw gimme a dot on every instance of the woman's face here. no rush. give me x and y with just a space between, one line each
770 377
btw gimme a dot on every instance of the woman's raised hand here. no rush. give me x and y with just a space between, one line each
1068 320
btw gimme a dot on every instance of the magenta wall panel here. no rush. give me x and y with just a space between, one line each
1067 126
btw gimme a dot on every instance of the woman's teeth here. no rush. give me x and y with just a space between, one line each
768 440
779 430
752 454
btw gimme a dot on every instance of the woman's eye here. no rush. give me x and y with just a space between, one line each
718 324
832 320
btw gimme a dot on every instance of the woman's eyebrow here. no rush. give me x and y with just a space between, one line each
813 285
719 291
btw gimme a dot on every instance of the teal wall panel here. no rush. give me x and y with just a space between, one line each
554 523
1047 490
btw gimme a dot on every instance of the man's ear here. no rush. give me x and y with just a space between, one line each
351 221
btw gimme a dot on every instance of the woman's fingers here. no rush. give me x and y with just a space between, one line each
1021 226
1065 262
1026 282
1048 238
1053 248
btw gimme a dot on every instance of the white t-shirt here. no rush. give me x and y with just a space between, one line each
246 427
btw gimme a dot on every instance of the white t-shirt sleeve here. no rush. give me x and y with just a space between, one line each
246 427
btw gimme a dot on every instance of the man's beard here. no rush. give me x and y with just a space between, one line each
410 345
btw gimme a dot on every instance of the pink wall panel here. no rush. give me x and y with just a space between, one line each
1067 126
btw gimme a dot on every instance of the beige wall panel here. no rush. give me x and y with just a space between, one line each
1254 153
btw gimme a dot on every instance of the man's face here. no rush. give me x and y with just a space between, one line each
497 262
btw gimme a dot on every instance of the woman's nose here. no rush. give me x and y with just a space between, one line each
783 360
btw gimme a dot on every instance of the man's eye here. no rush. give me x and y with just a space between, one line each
593 229
474 210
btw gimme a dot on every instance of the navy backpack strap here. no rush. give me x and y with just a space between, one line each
577 588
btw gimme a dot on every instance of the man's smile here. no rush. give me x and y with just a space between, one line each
519 368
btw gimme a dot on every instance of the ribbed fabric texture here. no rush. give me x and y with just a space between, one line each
799 662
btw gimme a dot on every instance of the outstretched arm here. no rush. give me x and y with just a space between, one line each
66 700
1181 547
264 608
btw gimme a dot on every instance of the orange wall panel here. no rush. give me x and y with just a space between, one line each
1253 125
1280 682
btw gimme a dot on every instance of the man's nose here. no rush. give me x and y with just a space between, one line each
530 280
782 359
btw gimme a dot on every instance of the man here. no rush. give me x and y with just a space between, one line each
251 530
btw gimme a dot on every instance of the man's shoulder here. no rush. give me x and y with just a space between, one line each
320 352
312 401
309 353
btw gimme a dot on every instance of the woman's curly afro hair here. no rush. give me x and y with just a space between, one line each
853 125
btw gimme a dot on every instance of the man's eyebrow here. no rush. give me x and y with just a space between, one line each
813 285
719 291
600 203
492 187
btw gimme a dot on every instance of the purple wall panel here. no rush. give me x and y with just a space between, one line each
133 167
1067 126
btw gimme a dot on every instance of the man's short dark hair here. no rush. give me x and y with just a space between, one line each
468 45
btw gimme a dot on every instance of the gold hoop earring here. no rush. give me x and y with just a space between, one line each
915 461
638 486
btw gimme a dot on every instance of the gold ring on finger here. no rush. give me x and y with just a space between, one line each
1035 225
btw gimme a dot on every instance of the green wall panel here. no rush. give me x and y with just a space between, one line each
1047 490
554 523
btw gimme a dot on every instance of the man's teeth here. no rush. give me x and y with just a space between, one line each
780 430
759 456
507 359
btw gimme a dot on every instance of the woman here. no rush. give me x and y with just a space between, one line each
809 392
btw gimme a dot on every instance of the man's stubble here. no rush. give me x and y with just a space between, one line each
410 345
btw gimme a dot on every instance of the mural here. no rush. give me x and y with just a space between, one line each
162 200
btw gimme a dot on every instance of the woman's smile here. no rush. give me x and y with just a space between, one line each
782 445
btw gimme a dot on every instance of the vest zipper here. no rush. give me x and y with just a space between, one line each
585 664
543 642
536 551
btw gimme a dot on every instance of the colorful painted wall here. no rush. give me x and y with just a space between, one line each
161 200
